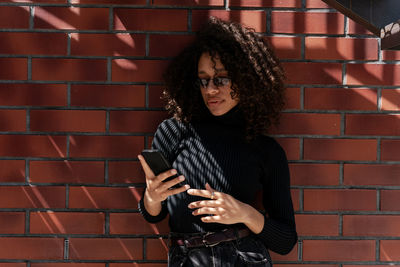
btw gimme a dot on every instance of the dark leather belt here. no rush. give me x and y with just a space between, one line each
210 239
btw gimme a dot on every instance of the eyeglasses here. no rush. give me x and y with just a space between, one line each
217 81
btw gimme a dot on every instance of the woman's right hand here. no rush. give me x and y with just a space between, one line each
157 190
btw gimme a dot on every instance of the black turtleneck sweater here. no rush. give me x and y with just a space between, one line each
214 150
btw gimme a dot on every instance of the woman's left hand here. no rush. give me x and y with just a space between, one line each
225 209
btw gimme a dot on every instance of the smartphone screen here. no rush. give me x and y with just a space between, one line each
158 163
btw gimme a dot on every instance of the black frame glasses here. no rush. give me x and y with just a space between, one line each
217 81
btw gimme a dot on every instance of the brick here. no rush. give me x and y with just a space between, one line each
32 197
371 225
286 47
33 94
295 193
69 264
341 48
390 150
33 43
390 200
106 146
104 198
390 54
370 124
291 147
71 18
108 44
31 248
339 200
107 95
12 120
292 256
389 250
339 250
136 121
313 73
68 120
251 18
156 249
13 68
340 149
14 17
40 1
126 70
69 172
12 171
155 94
317 225
391 99
135 224
66 223
355 28
150 19
112 2
106 249
314 174
12 223
373 74
120 172
380 174
319 124
149 141
265 3
16 264
188 3
70 69
175 44
307 22
292 98
340 99
32 146
316 4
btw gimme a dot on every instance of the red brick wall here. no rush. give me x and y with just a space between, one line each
79 99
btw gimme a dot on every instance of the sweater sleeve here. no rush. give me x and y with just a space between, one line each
279 231
166 139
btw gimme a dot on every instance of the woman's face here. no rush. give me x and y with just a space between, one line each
217 98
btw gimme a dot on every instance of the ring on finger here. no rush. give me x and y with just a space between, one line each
212 195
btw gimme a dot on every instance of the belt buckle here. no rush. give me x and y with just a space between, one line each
206 242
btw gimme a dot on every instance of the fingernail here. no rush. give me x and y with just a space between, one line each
187 186
181 178
173 171
190 190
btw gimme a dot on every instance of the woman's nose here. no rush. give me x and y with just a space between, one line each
211 88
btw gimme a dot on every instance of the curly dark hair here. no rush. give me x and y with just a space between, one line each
257 77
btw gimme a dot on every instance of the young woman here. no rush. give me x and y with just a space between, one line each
224 91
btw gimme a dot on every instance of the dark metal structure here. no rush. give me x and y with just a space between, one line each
381 17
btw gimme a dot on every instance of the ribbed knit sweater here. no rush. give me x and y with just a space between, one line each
214 150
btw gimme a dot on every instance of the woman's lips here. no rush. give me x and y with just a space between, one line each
214 102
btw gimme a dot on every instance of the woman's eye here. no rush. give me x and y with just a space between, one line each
223 80
204 82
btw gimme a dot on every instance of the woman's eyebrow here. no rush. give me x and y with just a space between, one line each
218 71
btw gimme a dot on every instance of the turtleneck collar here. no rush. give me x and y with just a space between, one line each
233 117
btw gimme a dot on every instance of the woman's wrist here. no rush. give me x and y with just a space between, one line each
152 207
254 220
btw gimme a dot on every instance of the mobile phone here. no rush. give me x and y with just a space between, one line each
157 162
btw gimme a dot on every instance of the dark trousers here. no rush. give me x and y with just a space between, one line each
248 251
